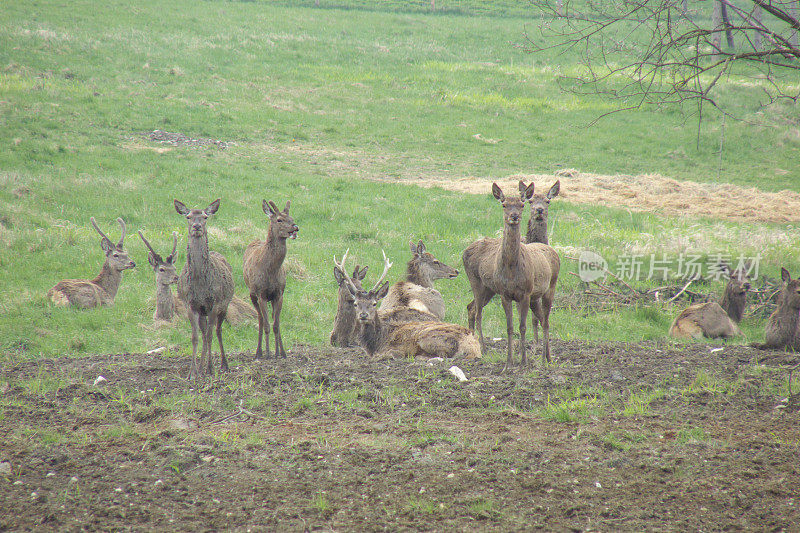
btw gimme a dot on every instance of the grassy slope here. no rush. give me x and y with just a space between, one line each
313 100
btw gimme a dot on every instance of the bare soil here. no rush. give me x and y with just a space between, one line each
326 440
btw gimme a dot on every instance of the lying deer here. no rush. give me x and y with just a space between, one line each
345 325
416 291
714 320
265 276
103 289
516 271
537 232
206 285
167 304
782 331
378 336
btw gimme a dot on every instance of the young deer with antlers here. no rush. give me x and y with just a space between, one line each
410 339
345 325
783 327
103 289
517 272
168 307
206 285
416 291
714 320
265 276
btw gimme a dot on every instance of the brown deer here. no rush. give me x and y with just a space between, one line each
516 271
537 232
206 285
167 305
345 325
782 331
265 276
714 320
378 336
103 289
416 291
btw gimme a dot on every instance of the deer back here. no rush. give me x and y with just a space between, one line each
707 319
433 339
783 327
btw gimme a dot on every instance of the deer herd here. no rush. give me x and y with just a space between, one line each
403 319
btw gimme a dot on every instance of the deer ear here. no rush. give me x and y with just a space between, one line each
273 208
362 274
382 291
265 208
498 193
553 192
213 207
338 276
152 260
527 194
522 188
180 208
413 247
286 209
785 275
421 247
107 246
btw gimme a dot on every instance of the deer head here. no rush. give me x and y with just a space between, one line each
739 280
426 266
166 273
791 292
513 207
197 218
540 202
281 224
117 257
365 303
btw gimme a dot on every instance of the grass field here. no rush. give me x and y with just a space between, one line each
341 109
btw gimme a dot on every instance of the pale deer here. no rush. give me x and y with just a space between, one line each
345 325
168 307
379 337
715 320
416 291
206 285
782 331
537 232
516 271
102 289
265 275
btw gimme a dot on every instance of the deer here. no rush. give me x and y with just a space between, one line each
380 337
101 290
714 320
265 275
168 307
782 331
416 291
345 325
205 285
537 232
518 272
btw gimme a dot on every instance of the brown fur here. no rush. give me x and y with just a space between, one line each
206 285
417 291
265 276
715 320
517 272
103 288
782 331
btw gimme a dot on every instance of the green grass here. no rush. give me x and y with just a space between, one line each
313 102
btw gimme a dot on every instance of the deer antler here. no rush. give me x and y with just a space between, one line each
386 266
122 238
340 266
348 281
155 255
97 228
171 257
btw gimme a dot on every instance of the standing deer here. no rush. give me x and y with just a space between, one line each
103 289
376 335
516 271
537 232
206 285
711 319
345 325
782 331
265 276
417 291
166 275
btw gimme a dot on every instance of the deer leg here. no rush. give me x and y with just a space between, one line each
478 308
202 321
547 304
224 362
508 307
254 299
262 302
523 307
277 304
471 316
193 319
534 320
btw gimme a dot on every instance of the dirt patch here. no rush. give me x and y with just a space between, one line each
649 192
612 437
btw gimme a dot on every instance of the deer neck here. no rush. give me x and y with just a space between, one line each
414 274
108 279
537 231
276 250
372 336
343 325
733 304
509 254
165 303
197 259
